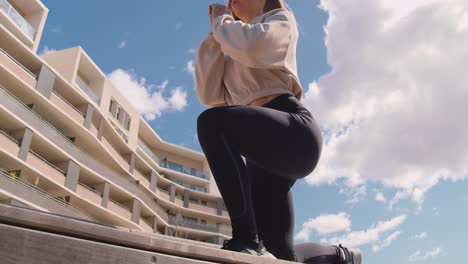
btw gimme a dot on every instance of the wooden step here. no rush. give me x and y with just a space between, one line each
33 236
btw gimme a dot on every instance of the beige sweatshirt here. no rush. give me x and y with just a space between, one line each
239 62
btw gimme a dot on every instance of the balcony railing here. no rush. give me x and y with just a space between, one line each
192 224
18 19
17 62
47 162
180 168
85 88
68 103
41 197
171 165
148 151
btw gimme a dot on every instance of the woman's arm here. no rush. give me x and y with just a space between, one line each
260 45
209 71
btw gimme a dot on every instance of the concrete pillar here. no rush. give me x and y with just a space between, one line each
155 224
88 116
153 181
136 208
131 168
25 144
102 124
45 82
172 190
219 206
186 197
105 194
72 175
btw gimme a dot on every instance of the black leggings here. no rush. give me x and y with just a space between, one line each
281 143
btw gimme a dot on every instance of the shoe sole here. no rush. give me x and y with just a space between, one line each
356 255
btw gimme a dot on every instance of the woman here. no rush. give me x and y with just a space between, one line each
246 73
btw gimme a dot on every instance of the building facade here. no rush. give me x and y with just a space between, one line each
71 144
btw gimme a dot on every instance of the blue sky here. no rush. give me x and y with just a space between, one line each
376 192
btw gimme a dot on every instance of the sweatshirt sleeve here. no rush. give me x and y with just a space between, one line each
259 45
209 71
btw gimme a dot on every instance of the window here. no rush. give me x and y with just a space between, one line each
111 104
127 122
119 112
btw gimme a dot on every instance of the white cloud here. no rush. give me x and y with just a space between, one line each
390 107
163 85
418 256
190 67
47 50
324 224
370 235
192 51
422 235
148 103
356 194
122 44
386 242
380 197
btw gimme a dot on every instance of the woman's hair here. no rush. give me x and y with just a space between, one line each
269 5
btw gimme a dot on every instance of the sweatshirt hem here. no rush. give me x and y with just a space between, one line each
263 93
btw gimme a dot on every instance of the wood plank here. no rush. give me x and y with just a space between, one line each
22 245
125 237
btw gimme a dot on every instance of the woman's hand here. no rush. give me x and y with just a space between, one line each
215 10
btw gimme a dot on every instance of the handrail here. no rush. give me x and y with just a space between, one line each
24 25
87 90
120 205
89 189
8 136
43 193
68 103
46 161
18 63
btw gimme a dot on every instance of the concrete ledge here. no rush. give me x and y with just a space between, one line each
32 236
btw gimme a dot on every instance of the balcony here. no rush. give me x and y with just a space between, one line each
67 107
203 208
180 168
119 209
29 192
171 165
115 154
164 194
141 178
45 167
89 194
148 151
192 224
85 88
18 69
8 143
145 225
18 19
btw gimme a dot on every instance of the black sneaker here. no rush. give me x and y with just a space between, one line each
348 255
253 248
